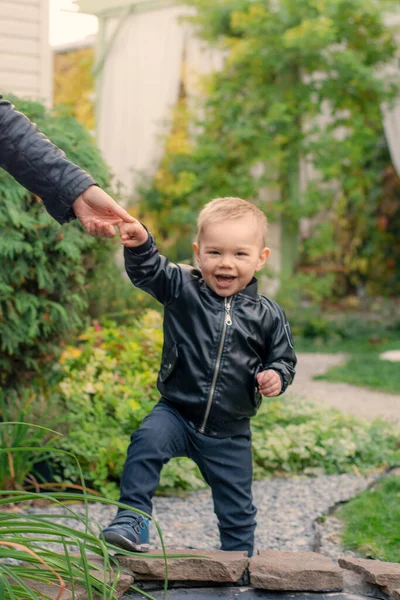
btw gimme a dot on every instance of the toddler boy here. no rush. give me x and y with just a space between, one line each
224 346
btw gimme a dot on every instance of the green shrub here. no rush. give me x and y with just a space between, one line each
112 296
45 268
293 437
313 327
18 432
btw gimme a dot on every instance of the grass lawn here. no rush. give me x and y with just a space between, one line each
367 370
349 346
372 521
364 367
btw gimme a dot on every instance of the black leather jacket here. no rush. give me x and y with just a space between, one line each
213 346
39 165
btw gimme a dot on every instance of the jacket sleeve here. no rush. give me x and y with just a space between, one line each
152 272
282 357
38 165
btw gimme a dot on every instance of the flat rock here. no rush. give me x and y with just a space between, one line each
52 590
392 355
354 583
395 593
385 574
294 571
204 565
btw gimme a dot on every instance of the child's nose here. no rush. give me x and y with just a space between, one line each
226 261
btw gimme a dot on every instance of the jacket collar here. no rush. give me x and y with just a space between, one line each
251 289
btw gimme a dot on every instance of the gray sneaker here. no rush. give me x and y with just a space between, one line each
129 531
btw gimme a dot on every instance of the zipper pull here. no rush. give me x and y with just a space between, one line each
228 319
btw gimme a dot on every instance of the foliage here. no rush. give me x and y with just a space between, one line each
16 467
45 268
367 370
112 296
278 99
382 247
363 329
371 521
74 84
294 437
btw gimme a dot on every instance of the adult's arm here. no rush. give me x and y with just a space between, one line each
39 165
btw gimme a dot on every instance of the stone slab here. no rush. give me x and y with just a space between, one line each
52 590
204 565
295 571
80 593
355 584
235 593
384 574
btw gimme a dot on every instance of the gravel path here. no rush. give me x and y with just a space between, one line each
361 402
286 511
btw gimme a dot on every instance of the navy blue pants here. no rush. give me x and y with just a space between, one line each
225 463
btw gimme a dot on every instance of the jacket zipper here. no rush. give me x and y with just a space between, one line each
227 323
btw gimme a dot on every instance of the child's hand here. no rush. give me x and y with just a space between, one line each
269 383
132 234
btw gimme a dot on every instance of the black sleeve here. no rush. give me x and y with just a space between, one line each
282 357
152 272
38 165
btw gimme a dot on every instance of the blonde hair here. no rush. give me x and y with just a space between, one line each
221 209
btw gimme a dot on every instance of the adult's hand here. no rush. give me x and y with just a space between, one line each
98 212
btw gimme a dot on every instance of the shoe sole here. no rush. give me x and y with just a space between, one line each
119 540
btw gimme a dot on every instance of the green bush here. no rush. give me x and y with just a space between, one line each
293 437
17 465
112 296
318 328
45 268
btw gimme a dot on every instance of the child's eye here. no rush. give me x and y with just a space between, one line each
241 253
213 252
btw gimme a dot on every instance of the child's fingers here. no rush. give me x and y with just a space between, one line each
128 227
270 383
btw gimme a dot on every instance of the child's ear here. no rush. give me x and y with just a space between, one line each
264 254
196 251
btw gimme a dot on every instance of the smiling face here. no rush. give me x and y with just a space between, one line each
229 252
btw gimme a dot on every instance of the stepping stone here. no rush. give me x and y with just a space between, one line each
384 574
205 565
392 355
52 590
294 571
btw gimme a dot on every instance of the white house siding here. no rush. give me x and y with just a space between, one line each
25 56
138 87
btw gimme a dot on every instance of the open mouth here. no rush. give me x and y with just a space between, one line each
224 280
